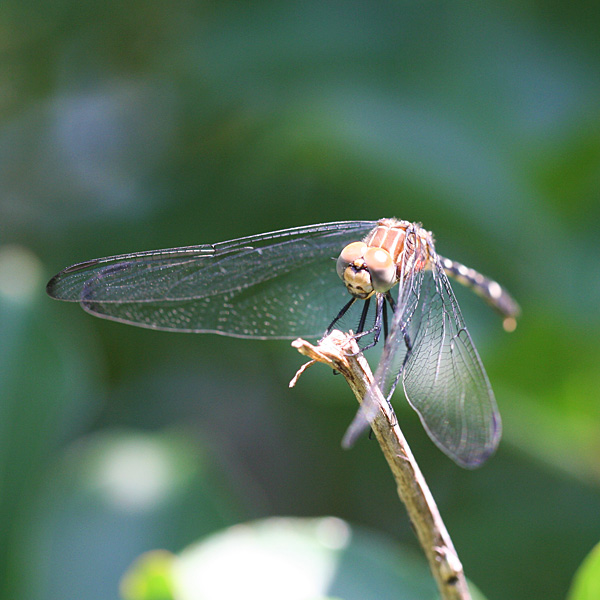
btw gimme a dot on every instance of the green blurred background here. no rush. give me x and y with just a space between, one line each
141 125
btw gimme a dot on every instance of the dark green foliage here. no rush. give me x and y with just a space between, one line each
133 126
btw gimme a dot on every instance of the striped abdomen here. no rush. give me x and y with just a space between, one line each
491 291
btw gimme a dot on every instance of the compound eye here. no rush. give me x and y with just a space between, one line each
349 254
382 269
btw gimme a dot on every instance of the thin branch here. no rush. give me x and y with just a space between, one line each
340 351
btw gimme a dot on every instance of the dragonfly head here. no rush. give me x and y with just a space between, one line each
365 270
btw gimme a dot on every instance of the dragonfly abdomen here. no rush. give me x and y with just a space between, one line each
491 291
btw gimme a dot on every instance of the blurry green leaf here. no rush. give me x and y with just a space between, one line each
47 392
552 412
295 559
291 558
586 584
113 496
149 578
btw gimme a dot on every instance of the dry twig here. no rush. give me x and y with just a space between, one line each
340 352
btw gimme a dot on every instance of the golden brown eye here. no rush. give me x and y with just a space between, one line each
349 254
382 269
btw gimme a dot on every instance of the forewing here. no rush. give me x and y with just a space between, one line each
281 284
444 379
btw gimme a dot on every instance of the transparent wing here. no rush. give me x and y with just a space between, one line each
444 379
281 284
431 351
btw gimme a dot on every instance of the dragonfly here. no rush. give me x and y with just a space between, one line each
286 284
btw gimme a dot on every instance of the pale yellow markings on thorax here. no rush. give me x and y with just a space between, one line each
389 238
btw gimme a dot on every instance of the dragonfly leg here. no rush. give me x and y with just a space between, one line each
363 317
338 317
408 344
390 300
385 321
376 329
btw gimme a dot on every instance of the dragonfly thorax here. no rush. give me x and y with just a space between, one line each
366 270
